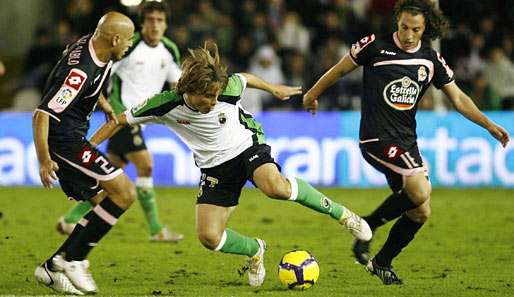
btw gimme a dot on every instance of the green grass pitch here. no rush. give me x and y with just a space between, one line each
466 248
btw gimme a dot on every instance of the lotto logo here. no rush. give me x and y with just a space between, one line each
361 44
392 152
87 156
75 79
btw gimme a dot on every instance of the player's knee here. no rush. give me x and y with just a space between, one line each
277 188
145 170
209 239
127 192
420 194
131 193
421 214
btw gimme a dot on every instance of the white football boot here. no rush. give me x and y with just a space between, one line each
256 270
55 280
79 275
357 226
63 227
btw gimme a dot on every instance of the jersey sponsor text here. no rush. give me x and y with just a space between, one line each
401 94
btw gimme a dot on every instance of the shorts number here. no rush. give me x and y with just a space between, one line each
104 165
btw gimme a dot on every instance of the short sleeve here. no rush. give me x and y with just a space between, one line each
236 85
363 50
443 74
63 92
153 108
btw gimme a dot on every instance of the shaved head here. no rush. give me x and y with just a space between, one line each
115 31
114 23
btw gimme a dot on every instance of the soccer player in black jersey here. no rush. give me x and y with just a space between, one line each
398 68
60 124
152 60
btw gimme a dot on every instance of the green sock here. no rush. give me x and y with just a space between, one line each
76 213
235 243
306 195
146 197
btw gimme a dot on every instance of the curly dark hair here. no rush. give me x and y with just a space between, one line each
435 22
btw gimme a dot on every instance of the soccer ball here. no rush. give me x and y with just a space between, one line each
298 269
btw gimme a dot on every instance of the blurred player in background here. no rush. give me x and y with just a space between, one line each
229 147
60 125
398 69
152 61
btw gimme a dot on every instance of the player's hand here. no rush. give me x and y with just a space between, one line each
285 92
47 169
111 116
499 133
310 103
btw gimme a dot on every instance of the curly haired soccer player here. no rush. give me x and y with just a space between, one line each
228 145
398 69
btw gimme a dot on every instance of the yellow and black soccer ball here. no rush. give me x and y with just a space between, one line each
298 269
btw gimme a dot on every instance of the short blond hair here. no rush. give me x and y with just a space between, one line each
201 69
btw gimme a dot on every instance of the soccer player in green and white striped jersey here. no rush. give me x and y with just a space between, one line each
229 148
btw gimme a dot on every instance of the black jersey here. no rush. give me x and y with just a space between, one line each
394 82
71 91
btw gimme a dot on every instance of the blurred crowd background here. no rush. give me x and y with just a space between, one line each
291 42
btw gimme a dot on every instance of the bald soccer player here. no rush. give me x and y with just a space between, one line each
60 124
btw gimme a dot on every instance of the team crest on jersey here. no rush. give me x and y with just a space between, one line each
222 118
68 91
422 73
401 94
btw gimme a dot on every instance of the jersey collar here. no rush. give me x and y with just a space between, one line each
399 45
184 96
92 53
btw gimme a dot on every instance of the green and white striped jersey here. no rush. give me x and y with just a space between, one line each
215 137
143 72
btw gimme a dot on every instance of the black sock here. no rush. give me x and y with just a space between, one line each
402 232
100 221
394 206
71 238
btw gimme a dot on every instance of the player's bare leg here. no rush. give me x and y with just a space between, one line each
110 204
67 223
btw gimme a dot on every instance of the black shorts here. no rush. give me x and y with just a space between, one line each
81 167
222 185
129 139
394 159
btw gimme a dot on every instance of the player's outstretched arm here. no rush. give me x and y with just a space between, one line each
344 66
47 166
108 130
466 107
282 92
107 108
